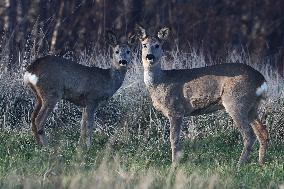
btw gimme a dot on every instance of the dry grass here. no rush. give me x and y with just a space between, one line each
128 150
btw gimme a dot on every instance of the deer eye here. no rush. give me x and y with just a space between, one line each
116 52
157 46
127 52
144 45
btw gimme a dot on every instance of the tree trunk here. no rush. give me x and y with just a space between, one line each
10 24
56 28
11 15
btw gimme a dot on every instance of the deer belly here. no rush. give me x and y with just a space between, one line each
78 99
204 105
203 97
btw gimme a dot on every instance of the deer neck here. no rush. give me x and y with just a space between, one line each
117 76
153 75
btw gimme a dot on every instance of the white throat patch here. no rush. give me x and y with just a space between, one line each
148 78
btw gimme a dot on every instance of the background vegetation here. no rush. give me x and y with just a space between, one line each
213 25
128 150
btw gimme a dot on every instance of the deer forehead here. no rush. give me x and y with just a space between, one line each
150 40
124 47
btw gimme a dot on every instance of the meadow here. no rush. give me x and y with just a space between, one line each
128 149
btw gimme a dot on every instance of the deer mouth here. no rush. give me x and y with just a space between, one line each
150 58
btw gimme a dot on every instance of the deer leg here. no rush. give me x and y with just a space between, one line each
262 136
83 132
175 128
40 120
34 115
240 118
247 134
90 111
248 140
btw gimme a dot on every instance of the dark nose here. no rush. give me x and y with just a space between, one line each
150 57
123 62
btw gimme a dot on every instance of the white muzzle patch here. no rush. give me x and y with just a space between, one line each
262 89
30 78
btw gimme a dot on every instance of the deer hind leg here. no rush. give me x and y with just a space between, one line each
45 110
240 118
83 132
35 114
175 128
261 134
248 140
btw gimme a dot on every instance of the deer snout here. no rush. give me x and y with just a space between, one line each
150 57
123 62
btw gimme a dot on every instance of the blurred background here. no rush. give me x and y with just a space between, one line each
58 26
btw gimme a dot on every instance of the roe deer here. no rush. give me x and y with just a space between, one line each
237 88
53 78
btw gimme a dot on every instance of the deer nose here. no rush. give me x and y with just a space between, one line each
150 57
123 62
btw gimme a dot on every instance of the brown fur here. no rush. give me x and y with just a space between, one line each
82 85
85 86
179 93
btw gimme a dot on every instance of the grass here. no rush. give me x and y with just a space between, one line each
207 163
128 150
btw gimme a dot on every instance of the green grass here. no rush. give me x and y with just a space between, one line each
134 163
135 157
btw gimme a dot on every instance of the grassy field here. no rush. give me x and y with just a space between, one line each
134 163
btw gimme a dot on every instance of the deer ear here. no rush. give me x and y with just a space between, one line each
163 33
111 38
140 32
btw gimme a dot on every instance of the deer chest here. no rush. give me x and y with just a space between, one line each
166 100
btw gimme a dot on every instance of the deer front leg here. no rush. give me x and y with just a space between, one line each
175 127
90 111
